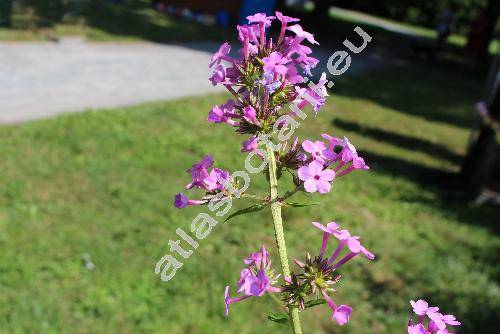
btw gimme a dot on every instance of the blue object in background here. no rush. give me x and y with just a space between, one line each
223 18
251 7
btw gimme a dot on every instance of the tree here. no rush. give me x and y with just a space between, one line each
492 12
478 165
5 12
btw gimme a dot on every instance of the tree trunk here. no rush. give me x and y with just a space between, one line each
478 165
493 11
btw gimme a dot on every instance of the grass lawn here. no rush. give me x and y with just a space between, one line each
98 186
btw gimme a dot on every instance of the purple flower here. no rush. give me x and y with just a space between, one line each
219 75
250 145
223 114
285 19
275 63
354 247
315 178
421 307
253 285
260 18
331 228
437 322
318 150
450 319
250 115
416 329
347 158
319 93
199 172
302 34
345 239
216 179
221 54
254 280
269 83
341 313
284 23
181 201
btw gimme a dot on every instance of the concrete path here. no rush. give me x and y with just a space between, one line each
39 80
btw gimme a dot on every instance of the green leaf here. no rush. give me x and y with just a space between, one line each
312 303
281 318
250 209
299 205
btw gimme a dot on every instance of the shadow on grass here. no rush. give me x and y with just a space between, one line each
441 182
407 142
438 93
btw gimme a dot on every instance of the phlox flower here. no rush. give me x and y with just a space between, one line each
340 313
302 34
345 240
223 114
181 201
199 172
318 150
219 75
216 179
437 322
316 178
261 18
255 280
275 63
221 54
345 157
250 145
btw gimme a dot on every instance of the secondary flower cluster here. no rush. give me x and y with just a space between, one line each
317 277
255 280
328 162
264 76
212 182
437 322
319 274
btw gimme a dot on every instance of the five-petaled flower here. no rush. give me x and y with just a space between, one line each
437 323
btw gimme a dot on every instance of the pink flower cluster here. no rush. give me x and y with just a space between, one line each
212 181
331 161
351 243
437 322
255 280
264 76
325 267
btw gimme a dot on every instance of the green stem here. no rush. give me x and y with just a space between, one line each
280 235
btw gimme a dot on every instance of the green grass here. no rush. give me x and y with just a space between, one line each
101 21
390 28
100 184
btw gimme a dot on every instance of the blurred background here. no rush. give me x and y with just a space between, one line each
103 107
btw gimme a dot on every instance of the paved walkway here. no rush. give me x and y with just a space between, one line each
39 80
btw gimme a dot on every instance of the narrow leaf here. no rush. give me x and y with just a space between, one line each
300 205
312 303
250 209
278 317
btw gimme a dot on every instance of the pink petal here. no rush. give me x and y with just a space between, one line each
316 167
323 186
327 175
308 146
305 173
310 186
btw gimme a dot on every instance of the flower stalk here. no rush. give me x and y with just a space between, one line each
280 234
